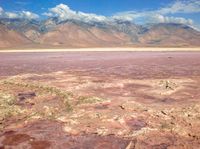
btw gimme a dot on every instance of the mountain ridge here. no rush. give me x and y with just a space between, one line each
76 33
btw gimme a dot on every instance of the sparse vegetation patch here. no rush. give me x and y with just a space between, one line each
7 107
64 95
89 100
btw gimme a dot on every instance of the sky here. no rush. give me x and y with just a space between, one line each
139 11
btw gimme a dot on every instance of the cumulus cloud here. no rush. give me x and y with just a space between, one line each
91 17
63 12
22 14
163 15
28 15
165 19
129 15
181 6
150 17
48 14
10 15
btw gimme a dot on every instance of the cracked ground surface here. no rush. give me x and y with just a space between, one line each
101 100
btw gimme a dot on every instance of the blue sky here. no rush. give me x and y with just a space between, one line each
103 7
184 11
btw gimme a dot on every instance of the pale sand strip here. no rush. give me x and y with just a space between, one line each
100 49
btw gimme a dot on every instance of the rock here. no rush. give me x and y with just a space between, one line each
163 113
26 95
122 107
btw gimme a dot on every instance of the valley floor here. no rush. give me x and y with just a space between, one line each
101 100
119 49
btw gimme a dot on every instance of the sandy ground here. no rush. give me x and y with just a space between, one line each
101 100
101 49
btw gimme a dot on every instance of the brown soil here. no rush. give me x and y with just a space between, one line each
101 100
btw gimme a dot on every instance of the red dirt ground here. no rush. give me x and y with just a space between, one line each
120 64
120 100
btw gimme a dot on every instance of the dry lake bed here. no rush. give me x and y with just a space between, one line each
100 100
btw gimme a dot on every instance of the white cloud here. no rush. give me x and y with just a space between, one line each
165 19
28 15
129 15
63 12
48 14
151 17
91 17
22 14
181 6
10 15
163 15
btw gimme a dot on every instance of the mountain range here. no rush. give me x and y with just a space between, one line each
54 33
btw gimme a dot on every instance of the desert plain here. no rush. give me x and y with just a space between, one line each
100 100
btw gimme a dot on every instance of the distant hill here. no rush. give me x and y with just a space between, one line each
170 35
79 34
76 33
11 38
